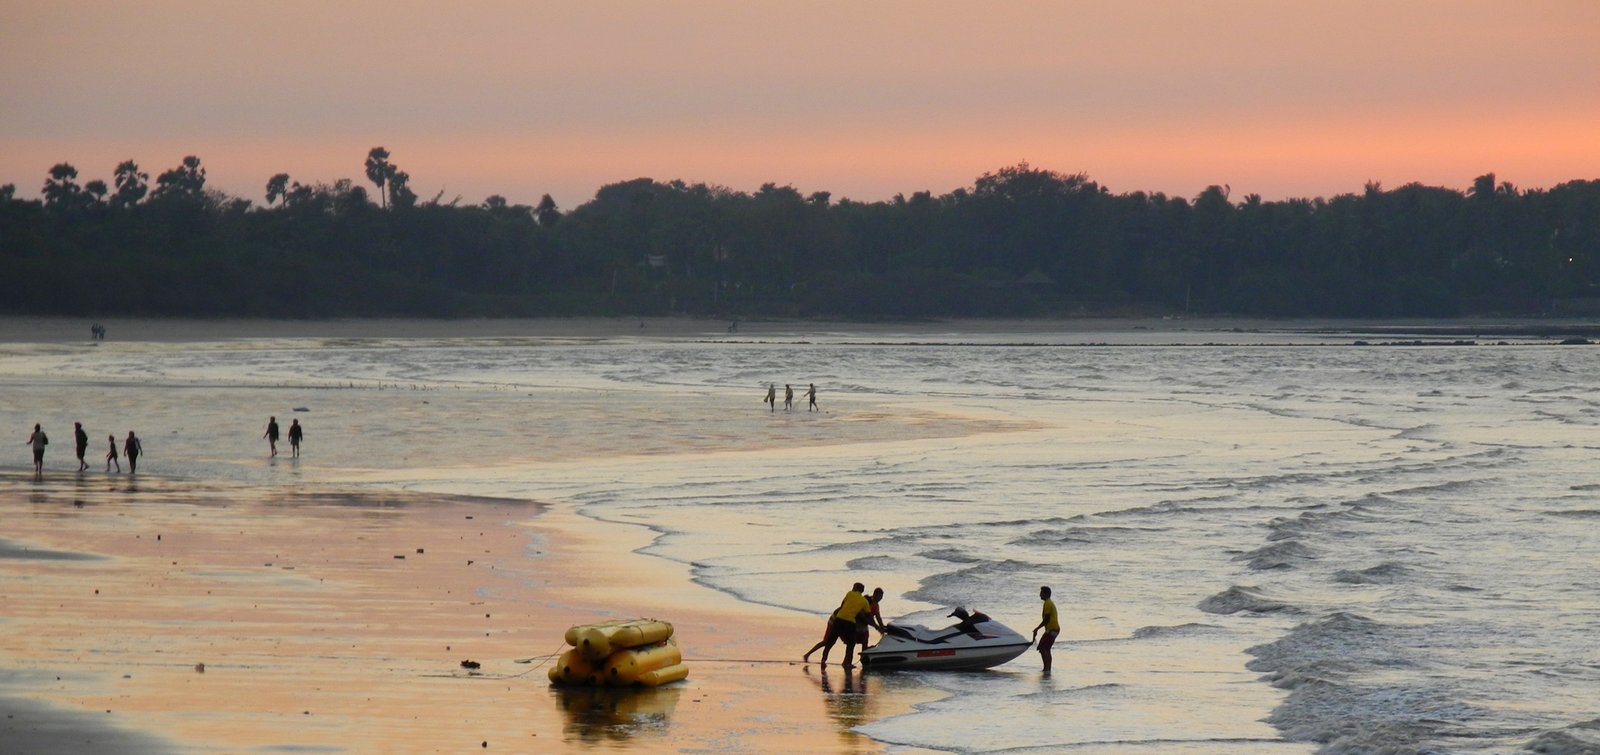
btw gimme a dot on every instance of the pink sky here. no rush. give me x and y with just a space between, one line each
863 99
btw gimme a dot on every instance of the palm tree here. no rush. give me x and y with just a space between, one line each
278 189
379 171
131 183
61 189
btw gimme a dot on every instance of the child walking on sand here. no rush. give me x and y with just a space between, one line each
111 454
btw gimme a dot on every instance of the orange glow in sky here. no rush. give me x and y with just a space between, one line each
864 100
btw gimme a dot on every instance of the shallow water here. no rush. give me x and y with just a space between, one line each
1364 546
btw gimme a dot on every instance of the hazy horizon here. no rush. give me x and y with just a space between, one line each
525 99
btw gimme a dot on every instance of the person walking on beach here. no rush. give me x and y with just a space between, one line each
788 397
811 398
111 454
1051 624
38 440
272 435
131 448
81 444
772 397
295 434
842 625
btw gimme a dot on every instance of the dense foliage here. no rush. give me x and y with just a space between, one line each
1018 242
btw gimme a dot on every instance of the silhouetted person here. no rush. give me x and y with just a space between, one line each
111 453
131 448
295 434
788 397
81 444
38 440
842 625
811 398
772 397
874 618
272 435
1051 624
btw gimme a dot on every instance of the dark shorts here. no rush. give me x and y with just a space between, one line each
1048 640
842 630
38 456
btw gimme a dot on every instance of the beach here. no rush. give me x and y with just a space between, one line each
1264 537
282 610
161 616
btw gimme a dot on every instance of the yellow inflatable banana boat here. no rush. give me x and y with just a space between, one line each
620 653
627 666
665 675
573 668
597 641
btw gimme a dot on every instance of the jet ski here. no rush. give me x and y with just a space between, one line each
974 642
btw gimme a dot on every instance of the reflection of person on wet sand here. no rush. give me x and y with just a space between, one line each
772 397
846 705
111 453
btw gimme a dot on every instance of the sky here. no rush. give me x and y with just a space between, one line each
865 99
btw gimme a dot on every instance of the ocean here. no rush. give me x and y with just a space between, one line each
1259 540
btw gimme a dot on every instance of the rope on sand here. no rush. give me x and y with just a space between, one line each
502 677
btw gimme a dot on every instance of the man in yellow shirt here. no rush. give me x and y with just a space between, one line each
1051 625
842 623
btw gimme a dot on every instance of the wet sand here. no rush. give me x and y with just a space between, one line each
76 329
162 615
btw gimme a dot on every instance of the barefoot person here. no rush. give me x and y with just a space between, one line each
788 397
1051 625
38 440
111 453
295 434
811 398
131 448
772 397
272 435
842 626
81 444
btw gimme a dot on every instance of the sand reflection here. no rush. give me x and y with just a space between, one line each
847 697
603 714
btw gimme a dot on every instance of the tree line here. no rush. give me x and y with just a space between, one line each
1019 242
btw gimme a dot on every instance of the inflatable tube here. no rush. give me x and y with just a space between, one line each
573 668
601 640
625 666
574 632
665 675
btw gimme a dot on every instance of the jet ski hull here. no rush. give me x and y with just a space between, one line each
989 644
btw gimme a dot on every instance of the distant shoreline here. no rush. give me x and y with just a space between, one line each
16 329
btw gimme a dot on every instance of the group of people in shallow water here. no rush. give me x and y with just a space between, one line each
858 613
788 397
132 447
